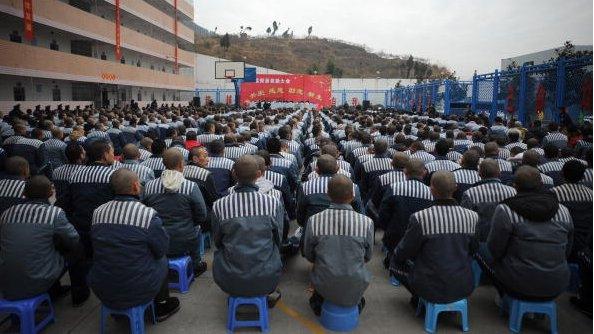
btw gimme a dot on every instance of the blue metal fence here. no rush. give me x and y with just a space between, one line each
526 93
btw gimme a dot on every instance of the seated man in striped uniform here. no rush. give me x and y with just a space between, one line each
247 231
36 237
130 244
529 242
578 199
180 205
468 175
339 241
440 241
76 155
13 182
131 160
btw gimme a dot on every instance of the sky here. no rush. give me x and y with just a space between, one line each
463 35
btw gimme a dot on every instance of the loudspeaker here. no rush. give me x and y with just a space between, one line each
366 104
196 101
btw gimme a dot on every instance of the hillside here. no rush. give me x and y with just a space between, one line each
317 55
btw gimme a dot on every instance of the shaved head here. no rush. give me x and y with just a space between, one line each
531 158
489 168
527 179
443 185
340 189
246 169
415 169
330 149
173 159
400 160
131 152
327 164
38 187
261 163
125 182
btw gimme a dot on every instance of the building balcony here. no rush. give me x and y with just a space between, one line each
62 16
31 61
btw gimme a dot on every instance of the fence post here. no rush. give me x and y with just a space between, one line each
343 96
494 99
447 98
560 87
386 98
218 96
473 103
522 96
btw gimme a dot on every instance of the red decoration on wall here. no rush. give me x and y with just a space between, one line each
541 95
118 50
315 89
28 19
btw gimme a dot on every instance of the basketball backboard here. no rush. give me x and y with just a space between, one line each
229 70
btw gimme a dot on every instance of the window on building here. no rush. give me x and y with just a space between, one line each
81 47
139 96
56 93
123 95
138 63
152 67
38 88
152 96
15 37
54 45
163 96
103 56
123 60
19 92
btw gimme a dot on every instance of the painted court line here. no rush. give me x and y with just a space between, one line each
314 327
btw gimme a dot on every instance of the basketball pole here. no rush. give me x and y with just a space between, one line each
237 91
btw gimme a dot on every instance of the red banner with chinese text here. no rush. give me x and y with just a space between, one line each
118 50
315 89
28 19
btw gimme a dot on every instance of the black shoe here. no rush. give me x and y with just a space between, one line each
166 308
315 302
80 296
361 305
200 268
273 297
579 304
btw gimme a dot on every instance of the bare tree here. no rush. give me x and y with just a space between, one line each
309 31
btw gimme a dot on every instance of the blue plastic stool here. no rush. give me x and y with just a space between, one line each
135 314
575 280
182 265
394 281
262 305
25 310
517 308
204 243
339 318
476 273
432 311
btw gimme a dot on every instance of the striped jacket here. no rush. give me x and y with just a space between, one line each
556 138
221 168
483 198
27 148
156 164
61 179
33 233
11 192
54 152
423 156
382 184
144 173
396 207
129 244
180 210
440 241
312 198
339 241
578 199
441 164
284 166
247 232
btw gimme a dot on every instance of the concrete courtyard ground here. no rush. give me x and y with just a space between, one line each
204 310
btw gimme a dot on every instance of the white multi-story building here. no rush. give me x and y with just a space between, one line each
71 59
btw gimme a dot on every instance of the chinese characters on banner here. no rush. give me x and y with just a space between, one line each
316 89
28 19
118 51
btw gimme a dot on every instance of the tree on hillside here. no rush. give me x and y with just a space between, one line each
275 26
268 31
313 69
286 33
333 70
225 41
309 31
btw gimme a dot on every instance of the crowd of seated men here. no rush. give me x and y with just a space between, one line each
110 195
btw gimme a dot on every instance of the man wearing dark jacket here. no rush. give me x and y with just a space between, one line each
35 237
247 231
88 189
339 241
130 243
440 241
529 242
181 206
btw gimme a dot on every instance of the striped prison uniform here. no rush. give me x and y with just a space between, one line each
130 243
440 241
11 192
339 241
578 199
